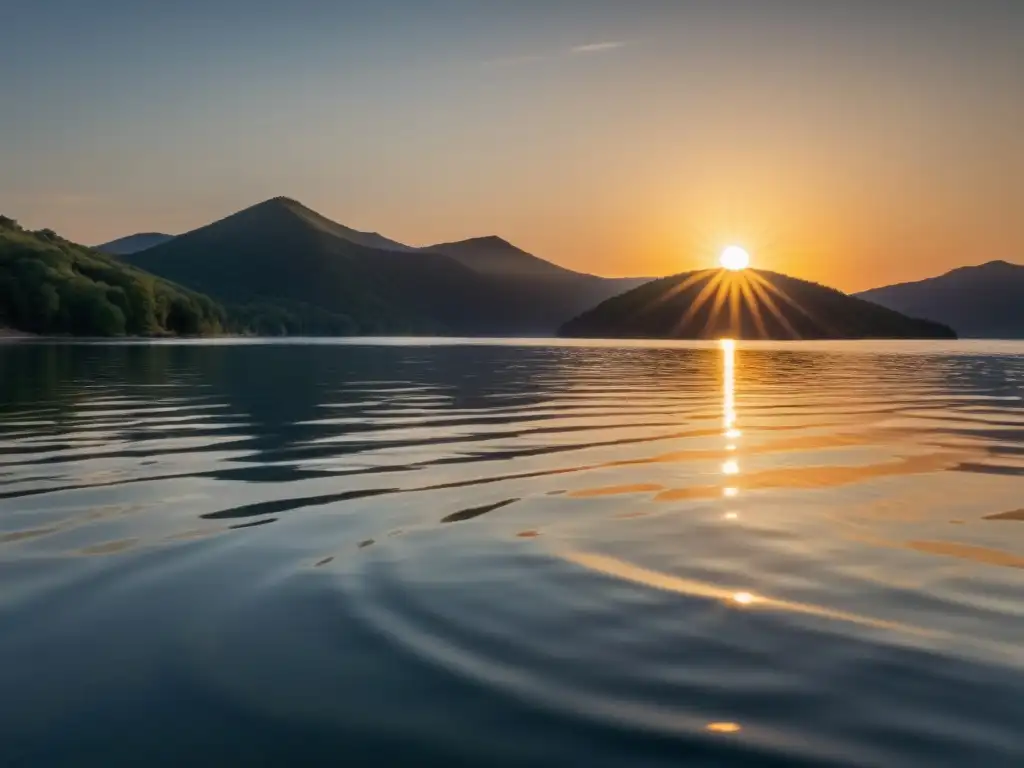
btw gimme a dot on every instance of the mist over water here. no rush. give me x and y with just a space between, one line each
517 553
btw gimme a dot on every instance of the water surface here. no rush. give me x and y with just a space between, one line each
532 553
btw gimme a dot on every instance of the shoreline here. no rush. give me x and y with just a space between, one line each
10 334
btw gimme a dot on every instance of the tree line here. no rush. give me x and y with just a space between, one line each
49 285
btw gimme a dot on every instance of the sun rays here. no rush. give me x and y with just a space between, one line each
735 296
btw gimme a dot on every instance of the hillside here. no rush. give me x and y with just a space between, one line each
318 221
133 243
495 256
986 301
49 285
550 294
313 275
744 305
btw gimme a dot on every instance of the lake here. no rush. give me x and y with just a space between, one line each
426 552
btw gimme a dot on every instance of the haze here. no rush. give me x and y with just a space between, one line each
854 143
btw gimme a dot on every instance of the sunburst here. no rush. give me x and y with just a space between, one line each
743 294
735 294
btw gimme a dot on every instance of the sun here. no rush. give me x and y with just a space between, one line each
734 258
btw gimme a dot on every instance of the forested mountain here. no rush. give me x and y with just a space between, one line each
750 304
296 271
986 301
49 285
134 243
493 255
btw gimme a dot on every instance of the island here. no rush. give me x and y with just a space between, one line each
745 304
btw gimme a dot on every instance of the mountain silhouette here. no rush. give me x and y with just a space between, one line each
751 304
314 219
134 243
547 293
495 256
284 260
985 301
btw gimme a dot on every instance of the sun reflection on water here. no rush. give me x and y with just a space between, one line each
729 417
723 727
729 384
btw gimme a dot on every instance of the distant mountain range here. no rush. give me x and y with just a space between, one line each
134 243
281 268
751 304
289 269
986 301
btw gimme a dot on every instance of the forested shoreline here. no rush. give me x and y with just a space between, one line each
51 286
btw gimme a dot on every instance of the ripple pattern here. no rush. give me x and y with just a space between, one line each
512 553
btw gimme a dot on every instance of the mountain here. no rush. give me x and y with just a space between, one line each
494 256
986 301
49 285
368 239
134 243
750 304
126 246
551 293
286 268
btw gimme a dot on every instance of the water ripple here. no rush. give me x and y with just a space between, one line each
516 553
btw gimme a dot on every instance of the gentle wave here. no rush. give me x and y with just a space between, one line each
518 553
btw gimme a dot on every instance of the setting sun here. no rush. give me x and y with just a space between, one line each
734 258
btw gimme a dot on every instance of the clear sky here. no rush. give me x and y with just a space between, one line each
854 142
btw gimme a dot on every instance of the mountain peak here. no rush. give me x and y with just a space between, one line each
289 269
494 255
280 201
283 211
980 301
491 240
125 246
988 269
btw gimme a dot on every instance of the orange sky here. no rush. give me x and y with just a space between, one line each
855 144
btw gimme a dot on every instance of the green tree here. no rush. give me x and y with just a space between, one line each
49 285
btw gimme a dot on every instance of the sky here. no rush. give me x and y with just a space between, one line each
852 142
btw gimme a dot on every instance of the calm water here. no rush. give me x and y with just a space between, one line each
504 554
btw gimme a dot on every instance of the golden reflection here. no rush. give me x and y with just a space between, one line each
730 467
729 384
823 477
616 490
610 566
985 555
731 433
723 727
